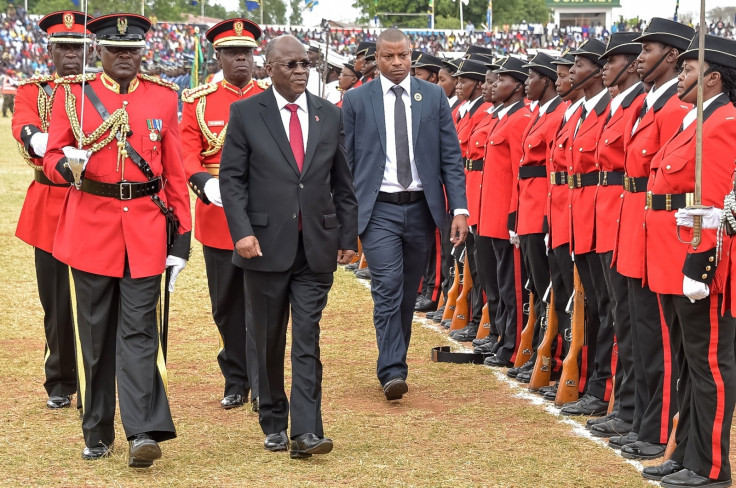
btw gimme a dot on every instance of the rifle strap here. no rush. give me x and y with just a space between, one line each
442 354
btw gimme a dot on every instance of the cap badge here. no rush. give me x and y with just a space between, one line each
238 28
122 25
68 20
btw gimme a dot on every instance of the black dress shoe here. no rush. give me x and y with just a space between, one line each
488 338
304 445
142 451
514 372
524 377
232 401
254 404
352 266
440 311
395 388
424 304
665 469
611 428
437 317
643 450
619 441
497 362
446 323
599 420
276 442
485 348
465 334
587 405
97 452
687 479
363 274
55 402
551 394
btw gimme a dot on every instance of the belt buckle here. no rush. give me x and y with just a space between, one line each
571 181
668 201
627 187
604 181
649 199
689 199
553 178
129 186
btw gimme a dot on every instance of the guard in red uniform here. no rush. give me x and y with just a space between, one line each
532 187
40 213
500 172
113 233
702 331
203 125
654 359
619 72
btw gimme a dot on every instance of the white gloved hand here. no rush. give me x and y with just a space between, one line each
694 290
177 264
38 143
546 243
74 153
212 191
711 217
514 238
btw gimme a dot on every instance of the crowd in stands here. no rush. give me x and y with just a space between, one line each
171 45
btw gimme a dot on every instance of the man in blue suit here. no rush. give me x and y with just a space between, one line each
408 176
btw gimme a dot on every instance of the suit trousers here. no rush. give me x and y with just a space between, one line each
237 355
485 261
561 273
119 338
655 364
54 292
395 242
707 384
272 295
599 326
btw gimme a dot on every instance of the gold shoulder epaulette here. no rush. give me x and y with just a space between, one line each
37 79
159 81
263 84
191 94
76 78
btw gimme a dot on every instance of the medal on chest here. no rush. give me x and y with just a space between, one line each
154 127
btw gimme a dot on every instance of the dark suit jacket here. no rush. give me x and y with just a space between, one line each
436 149
263 191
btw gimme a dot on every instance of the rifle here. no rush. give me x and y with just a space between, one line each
570 379
462 307
485 323
543 366
526 349
672 441
454 291
358 254
362 263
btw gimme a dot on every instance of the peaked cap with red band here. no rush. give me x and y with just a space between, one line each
234 33
66 27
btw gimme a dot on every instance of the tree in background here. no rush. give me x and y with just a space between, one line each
296 12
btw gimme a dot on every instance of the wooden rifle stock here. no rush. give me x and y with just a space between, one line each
543 365
527 335
672 441
485 323
358 254
454 291
462 305
570 379
362 263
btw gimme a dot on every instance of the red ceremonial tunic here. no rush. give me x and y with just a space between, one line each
97 234
558 199
202 137
470 135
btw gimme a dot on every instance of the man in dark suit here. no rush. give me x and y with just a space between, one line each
287 193
408 172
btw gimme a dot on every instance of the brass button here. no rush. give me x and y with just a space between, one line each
606 141
705 276
560 146
125 209
581 149
530 146
668 167
707 268
476 143
644 151
711 259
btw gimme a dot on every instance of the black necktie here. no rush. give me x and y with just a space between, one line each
403 165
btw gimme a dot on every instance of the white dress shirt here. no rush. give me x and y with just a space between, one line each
572 108
619 99
693 114
652 97
390 182
302 113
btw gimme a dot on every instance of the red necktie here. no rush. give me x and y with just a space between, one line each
296 139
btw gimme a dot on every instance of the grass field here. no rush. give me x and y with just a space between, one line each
459 426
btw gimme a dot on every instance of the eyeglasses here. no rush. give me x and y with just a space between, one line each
291 65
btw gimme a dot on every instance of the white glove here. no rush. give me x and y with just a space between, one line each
38 143
514 238
711 217
74 153
546 243
694 290
212 191
177 264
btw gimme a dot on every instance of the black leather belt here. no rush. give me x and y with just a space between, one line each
526 172
579 180
558 178
124 190
40 177
611 178
400 197
442 354
635 185
474 164
669 201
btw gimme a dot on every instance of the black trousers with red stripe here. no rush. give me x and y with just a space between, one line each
707 384
485 262
561 272
655 366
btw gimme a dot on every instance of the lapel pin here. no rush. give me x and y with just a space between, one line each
418 97
316 118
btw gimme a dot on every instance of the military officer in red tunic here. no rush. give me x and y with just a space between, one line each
113 233
688 278
40 213
203 125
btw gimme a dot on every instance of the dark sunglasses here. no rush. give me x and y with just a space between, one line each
306 64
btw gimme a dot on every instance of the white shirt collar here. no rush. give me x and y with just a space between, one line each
572 108
281 102
543 109
387 84
693 114
590 104
619 99
502 112
655 92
